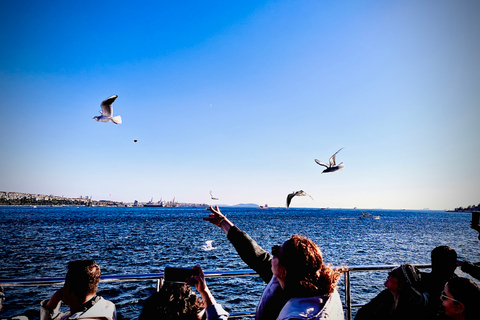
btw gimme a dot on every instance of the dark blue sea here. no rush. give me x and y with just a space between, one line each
38 242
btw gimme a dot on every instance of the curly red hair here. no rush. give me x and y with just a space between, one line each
307 275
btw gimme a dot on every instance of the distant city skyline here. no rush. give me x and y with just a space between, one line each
239 98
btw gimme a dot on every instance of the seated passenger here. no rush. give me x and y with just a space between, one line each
395 302
300 285
444 263
80 293
176 301
461 299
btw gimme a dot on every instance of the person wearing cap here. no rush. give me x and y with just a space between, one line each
395 301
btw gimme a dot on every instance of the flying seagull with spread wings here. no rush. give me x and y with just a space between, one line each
332 167
208 245
107 112
211 195
297 193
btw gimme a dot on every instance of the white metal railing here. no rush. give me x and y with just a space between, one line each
158 277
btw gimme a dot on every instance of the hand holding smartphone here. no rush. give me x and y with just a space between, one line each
182 275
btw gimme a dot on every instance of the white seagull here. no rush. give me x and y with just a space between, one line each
296 193
333 166
211 196
107 111
208 245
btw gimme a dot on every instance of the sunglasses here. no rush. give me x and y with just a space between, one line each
444 296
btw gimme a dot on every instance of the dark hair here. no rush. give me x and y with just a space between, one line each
467 292
83 277
444 260
406 275
307 275
174 301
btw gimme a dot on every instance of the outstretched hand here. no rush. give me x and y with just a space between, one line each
216 217
219 219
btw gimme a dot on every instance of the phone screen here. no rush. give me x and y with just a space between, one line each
179 274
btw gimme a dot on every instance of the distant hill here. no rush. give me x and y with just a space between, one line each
246 205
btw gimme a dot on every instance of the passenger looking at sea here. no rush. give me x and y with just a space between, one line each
79 292
395 302
176 301
300 285
461 299
444 263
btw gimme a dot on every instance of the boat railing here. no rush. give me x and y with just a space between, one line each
158 278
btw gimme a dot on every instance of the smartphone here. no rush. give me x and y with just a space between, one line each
179 274
475 218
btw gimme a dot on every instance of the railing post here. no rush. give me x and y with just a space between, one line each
348 298
159 284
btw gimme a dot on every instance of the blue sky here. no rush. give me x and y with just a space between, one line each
240 98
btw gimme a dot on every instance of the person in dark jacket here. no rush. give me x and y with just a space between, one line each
395 302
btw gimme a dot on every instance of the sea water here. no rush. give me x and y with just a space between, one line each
38 243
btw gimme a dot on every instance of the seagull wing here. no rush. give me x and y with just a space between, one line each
289 198
332 158
211 196
321 163
107 109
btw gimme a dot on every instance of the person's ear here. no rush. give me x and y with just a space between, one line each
459 308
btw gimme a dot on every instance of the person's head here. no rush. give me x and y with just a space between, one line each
82 278
298 264
401 276
461 297
444 261
174 301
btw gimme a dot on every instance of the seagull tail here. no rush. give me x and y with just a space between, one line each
117 120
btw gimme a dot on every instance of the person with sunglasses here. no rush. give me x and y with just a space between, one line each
300 285
461 299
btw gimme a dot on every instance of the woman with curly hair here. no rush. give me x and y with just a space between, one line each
299 284
177 301
309 284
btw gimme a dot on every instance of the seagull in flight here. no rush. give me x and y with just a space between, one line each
208 245
211 195
107 111
297 193
333 166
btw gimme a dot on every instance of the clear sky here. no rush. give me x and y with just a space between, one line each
240 97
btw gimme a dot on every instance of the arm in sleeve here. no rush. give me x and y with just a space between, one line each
46 314
251 253
472 269
216 312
